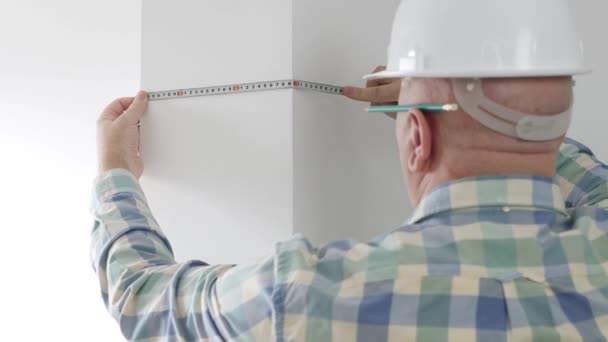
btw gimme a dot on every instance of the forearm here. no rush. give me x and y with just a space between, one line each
153 297
143 287
121 212
582 177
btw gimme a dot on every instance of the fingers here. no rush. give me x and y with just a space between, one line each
387 93
138 138
136 110
380 68
378 82
375 83
380 91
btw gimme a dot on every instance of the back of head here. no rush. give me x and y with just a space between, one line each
516 57
538 96
462 147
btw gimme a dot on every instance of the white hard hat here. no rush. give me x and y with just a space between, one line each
483 39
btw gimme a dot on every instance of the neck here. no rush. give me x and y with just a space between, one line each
480 164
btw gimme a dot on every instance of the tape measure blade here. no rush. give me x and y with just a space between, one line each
245 88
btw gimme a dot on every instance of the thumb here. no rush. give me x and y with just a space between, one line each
136 110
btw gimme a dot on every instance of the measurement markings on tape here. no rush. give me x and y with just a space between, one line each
245 88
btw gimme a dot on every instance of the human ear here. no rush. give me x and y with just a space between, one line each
419 141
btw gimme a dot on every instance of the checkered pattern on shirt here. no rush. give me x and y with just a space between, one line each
490 259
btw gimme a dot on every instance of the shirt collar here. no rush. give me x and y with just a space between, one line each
533 192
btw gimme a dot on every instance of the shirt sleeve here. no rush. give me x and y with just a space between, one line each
582 177
155 298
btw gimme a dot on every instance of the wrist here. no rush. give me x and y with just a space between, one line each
112 164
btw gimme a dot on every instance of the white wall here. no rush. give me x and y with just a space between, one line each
60 63
347 173
591 114
218 169
228 176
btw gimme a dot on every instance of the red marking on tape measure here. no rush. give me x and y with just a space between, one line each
180 93
236 88
296 84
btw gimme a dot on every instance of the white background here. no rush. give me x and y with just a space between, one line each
61 62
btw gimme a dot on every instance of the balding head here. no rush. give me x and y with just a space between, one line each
441 147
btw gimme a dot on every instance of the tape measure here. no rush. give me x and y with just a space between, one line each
245 88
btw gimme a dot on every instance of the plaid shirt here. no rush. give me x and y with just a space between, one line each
489 259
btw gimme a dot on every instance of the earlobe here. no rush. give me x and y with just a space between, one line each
419 141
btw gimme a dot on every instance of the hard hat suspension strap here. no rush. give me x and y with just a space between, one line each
472 99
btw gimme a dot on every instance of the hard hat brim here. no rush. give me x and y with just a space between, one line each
478 74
